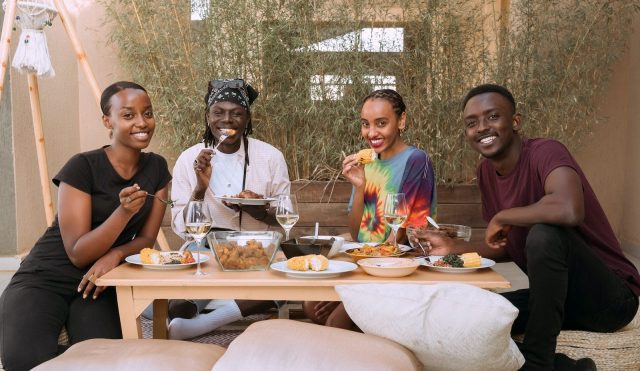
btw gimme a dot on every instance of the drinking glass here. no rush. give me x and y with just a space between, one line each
198 222
395 213
287 213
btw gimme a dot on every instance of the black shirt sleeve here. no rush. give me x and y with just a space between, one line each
77 173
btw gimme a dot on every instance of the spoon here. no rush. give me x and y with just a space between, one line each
433 222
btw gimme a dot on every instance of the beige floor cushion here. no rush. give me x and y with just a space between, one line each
139 355
280 344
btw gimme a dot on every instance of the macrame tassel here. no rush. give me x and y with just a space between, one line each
32 54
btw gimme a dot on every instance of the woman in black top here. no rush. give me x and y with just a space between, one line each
104 215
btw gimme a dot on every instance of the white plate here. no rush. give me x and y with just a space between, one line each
484 263
358 245
245 201
335 268
135 259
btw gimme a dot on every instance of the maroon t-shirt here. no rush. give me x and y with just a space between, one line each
525 185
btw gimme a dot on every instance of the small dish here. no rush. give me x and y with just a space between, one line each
323 245
389 267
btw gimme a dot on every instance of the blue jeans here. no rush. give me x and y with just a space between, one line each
569 288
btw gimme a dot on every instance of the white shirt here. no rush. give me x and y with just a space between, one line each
266 174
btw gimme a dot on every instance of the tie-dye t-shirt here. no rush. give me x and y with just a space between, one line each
409 172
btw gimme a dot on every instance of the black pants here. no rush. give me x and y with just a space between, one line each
33 310
569 288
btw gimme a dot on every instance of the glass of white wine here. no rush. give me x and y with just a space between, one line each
287 213
395 212
197 223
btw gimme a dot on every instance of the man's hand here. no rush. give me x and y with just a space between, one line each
435 243
496 233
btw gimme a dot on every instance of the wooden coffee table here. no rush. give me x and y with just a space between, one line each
137 287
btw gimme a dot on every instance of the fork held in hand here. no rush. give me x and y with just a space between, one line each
220 140
167 202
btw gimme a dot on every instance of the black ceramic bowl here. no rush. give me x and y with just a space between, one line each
296 247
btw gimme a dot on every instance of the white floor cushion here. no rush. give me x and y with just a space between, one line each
447 326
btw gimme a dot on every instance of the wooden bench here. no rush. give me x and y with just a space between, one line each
327 202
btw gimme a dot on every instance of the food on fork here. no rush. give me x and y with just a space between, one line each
227 132
366 156
308 262
471 259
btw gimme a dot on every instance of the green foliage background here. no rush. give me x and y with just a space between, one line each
556 57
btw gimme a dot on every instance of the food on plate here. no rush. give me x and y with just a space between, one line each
152 256
366 156
450 261
228 132
233 256
383 249
471 259
308 262
246 194
187 258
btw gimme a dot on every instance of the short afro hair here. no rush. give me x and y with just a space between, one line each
489 88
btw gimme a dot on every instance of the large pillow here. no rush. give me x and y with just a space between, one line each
279 344
447 326
135 354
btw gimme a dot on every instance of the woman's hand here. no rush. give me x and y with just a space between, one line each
103 265
132 198
353 171
202 167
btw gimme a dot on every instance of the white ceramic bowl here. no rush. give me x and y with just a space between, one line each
389 267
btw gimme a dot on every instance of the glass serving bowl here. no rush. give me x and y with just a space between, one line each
454 231
245 250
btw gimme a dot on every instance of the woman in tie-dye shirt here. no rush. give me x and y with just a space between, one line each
399 168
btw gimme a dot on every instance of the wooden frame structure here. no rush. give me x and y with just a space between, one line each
34 97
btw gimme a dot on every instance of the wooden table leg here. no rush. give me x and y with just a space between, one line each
128 317
160 312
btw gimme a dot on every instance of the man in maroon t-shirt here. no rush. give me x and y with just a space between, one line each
543 214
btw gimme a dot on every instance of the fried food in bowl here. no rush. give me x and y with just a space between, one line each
244 250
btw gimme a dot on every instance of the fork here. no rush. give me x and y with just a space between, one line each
220 140
169 203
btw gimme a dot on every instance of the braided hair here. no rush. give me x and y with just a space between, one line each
390 96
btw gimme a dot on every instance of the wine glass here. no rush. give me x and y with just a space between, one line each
287 213
197 223
395 213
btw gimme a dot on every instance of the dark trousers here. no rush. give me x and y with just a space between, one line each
33 310
569 288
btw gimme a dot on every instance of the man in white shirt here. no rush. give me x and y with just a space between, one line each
237 164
